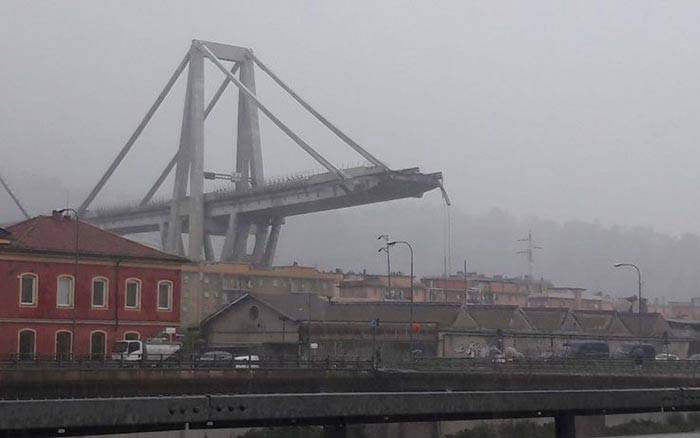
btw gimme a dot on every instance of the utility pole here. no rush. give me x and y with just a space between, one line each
529 252
466 285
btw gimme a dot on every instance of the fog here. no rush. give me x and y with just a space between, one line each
576 112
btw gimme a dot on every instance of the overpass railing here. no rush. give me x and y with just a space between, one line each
558 366
563 366
39 362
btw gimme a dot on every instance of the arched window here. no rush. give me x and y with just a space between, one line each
26 344
28 287
65 291
100 292
165 295
64 345
133 294
98 345
131 336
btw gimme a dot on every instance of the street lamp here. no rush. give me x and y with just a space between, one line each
639 281
385 237
410 328
639 291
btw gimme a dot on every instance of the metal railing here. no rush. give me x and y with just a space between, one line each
554 366
559 366
179 362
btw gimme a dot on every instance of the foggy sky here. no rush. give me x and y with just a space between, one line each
562 110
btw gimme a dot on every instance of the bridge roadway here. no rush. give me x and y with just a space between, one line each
365 185
40 400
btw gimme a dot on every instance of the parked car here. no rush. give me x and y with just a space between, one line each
215 356
247 361
635 351
695 356
587 349
667 356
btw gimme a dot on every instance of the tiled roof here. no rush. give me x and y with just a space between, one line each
57 235
545 319
303 307
646 324
496 317
596 321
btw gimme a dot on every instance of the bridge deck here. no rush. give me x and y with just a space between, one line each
80 416
93 397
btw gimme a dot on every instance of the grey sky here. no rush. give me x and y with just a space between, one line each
556 109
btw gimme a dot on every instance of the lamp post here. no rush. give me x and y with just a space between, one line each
410 328
639 291
75 267
385 237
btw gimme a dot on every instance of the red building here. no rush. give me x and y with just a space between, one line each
54 303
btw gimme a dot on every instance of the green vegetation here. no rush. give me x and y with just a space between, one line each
285 432
522 429
676 423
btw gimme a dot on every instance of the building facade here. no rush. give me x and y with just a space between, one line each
209 286
571 298
474 288
69 289
376 288
308 326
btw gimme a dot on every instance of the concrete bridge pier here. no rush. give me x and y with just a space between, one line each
428 429
565 425
335 431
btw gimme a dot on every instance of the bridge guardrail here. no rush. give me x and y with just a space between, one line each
556 366
38 362
560 366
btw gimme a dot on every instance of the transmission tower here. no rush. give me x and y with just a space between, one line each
529 252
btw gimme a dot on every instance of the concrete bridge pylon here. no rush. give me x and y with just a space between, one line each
253 208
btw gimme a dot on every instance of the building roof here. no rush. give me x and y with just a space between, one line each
246 269
567 296
398 281
646 324
56 234
300 307
600 321
498 317
546 319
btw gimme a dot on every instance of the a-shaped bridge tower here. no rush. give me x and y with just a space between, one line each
254 209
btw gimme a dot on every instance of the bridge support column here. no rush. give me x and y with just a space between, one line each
565 425
335 431
230 239
240 242
272 240
261 235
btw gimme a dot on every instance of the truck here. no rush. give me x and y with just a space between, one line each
132 350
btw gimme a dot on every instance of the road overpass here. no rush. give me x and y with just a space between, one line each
72 399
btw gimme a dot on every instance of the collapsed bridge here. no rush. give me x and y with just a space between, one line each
251 213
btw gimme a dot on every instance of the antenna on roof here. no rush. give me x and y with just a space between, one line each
14 198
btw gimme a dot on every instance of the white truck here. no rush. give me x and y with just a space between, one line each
140 350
